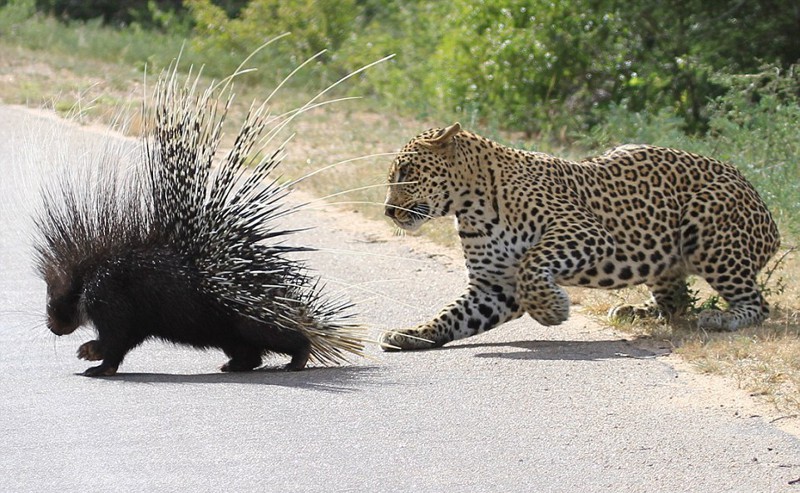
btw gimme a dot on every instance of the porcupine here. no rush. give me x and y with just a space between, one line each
185 250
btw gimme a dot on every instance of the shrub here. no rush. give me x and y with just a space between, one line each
314 26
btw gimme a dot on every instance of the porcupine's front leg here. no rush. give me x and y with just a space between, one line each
483 306
94 351
107 368
90 351
115 337
112 354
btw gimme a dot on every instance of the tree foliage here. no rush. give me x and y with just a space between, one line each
316 25
531 65
149 13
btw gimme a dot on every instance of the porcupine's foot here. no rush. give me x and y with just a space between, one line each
240 364
242 358
234 365
100 371
90 351
298 362
409 340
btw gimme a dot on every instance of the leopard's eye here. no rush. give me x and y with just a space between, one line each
402 172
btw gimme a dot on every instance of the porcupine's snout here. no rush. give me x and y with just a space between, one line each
59 327
63 316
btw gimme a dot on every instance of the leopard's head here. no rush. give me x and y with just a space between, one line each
421 178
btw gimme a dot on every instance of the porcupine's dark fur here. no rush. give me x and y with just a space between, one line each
187 252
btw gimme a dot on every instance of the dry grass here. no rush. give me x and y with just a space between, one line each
334 135
86 90
764 360
91 92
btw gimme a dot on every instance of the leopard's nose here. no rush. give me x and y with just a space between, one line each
389 211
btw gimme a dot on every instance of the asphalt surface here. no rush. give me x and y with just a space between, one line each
521 408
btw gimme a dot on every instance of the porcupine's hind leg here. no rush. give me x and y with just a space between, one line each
242 358
260 337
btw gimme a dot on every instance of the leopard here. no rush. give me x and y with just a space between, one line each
530 224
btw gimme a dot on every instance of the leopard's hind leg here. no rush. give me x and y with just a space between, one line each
728 251
669 298
746 304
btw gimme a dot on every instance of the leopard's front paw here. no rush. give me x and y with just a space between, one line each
548 306
407 340
552 315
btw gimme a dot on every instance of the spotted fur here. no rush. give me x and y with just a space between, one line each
530 223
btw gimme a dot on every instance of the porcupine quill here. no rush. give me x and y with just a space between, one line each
184 249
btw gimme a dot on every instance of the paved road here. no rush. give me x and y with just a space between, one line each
522 408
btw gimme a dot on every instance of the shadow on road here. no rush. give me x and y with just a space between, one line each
565 350
324 379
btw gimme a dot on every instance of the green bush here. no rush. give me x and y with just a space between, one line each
528 63
539 66
755 124
158 14
14 13
411 31
314 26
133 45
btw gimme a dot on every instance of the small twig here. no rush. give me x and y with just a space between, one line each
788 416
777 264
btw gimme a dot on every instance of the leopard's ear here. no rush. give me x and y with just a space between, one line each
444 138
